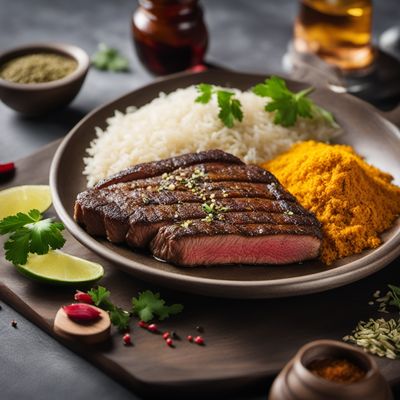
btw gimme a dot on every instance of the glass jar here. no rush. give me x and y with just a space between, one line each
338 31
169 35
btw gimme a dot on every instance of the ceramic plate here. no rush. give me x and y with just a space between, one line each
364 129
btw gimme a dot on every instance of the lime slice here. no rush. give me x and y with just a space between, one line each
61 269
23 199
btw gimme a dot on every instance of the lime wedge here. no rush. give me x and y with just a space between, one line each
23 199
60 268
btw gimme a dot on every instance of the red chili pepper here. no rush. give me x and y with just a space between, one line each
198 68
127 339
165 335
81 312
152 328
83 297
7 171
169 342
190 338
199 340
143 324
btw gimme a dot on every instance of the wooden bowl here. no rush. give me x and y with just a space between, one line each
34 99
296 382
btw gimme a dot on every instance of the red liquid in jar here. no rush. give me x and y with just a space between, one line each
169 35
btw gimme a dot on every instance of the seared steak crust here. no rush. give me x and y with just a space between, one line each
194 198
147 170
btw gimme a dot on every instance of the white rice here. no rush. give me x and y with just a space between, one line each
174 124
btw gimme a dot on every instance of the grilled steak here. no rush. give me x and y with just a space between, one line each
201 209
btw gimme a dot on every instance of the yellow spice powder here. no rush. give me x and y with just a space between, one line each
353 200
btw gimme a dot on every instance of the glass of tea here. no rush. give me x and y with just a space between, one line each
338 31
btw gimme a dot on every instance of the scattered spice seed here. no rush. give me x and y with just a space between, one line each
190 338
169 342
14 323
199 329
378 337
165 335
152 328
199 340
127 339
143 324
174 335
83 297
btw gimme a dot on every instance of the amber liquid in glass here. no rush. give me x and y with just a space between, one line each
338 31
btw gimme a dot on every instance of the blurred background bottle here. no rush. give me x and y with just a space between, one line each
338 31
169 35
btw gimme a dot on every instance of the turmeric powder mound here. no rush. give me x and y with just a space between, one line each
353 200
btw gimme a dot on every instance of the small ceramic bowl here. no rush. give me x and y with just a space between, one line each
35 99
297 382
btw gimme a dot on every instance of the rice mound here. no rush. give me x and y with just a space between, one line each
174 124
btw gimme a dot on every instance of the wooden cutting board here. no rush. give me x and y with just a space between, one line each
247 341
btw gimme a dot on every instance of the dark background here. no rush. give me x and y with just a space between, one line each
247 35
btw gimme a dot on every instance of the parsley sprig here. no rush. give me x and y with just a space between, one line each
230 108
29 233
101 298
288 105
109 59
146 306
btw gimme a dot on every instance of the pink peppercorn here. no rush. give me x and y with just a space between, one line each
169 342
152 328
127 339
199 340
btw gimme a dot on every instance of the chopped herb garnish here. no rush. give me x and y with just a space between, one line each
29 233
149 305
288 105
230 108
186 224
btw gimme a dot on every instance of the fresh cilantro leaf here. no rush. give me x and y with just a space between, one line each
167 311
230 109
101 298
14 222
287 105
107 58
120 318
205 91
149 304
30 234
99 295
17 247
45 235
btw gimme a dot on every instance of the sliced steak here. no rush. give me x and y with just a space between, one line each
141 233
202 243
210 198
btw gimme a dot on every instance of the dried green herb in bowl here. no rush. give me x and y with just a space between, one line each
38 68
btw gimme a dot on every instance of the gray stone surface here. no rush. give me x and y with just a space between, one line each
248 35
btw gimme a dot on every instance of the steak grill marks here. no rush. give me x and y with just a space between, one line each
204 194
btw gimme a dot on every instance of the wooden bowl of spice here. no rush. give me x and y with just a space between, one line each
328 369
38 78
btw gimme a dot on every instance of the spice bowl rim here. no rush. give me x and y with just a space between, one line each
70 50
371 366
